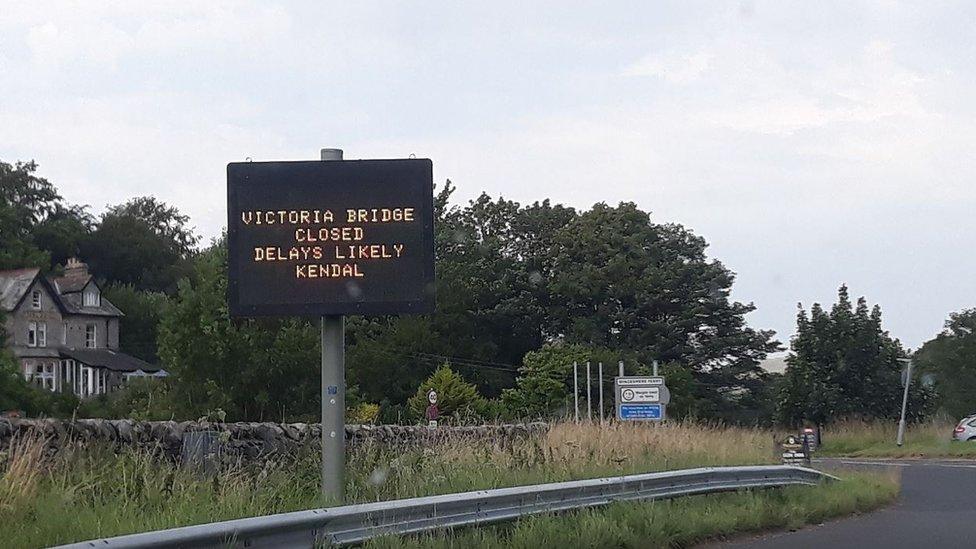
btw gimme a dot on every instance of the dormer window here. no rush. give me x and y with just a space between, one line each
36 300
91 297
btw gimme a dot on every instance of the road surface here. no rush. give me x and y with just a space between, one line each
936 509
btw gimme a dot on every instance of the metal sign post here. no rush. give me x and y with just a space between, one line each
333 394
906 380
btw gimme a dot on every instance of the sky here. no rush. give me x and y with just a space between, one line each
811 143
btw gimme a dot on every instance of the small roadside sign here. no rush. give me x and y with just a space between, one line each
795 451
641 398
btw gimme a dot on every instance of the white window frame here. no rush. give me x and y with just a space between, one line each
64 333
42 334
92 342
90 297
32 334
36 300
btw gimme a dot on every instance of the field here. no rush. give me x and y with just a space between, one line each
875 439
83 493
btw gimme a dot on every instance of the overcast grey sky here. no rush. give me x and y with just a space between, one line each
810 143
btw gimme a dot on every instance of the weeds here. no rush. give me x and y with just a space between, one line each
86 492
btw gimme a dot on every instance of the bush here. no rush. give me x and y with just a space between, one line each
455 397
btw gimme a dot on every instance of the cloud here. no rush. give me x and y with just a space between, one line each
674 68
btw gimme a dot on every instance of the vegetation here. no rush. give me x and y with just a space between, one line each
111 494
877 439
845 365
950 360
673 523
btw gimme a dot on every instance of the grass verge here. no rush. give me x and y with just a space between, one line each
876 439
675 523
82 493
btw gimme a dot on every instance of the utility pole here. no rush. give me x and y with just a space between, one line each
904 405
333 394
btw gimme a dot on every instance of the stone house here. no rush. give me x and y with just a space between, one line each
64 334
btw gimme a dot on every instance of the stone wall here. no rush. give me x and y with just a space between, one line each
244 440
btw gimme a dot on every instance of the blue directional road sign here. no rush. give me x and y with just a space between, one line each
640 411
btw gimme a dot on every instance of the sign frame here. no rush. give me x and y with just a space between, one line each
635 408
346 174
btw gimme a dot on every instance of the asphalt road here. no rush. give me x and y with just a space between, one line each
936 509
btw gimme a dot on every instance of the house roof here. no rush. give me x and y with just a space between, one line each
13 285
109 359
65 291
72 283
73 302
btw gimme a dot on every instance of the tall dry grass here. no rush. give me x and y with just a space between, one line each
113 492
21 468
877 439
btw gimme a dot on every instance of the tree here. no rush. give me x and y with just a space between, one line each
950 358
622 282
144 243
454 395
251 369
545 380
26 200
138 329
843 364
64 233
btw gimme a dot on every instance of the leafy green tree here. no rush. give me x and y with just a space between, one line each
144 243
950 358
251 369
623 282
544 385
64 232
26 200
454 395
843 365
138 329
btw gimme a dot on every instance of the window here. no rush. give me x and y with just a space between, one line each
42 334
90 341
32 334
64 334
91 298
36 300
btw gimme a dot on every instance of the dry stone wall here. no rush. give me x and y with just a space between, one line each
244 440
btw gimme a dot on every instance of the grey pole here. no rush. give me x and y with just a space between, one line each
576 391
904 406
600 371
589 406
333 395
655 368
620 366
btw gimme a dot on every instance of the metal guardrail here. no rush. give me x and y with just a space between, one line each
351 524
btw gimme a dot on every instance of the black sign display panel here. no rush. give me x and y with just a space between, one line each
316 238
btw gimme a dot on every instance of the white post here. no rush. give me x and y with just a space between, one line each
589 405
655 368
620 366
575 392
600 372
904 406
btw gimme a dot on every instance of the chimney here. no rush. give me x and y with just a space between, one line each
75 268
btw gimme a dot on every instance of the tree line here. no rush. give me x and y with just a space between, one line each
523 291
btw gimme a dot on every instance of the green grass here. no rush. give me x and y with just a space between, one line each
90 492
876 439
672 523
